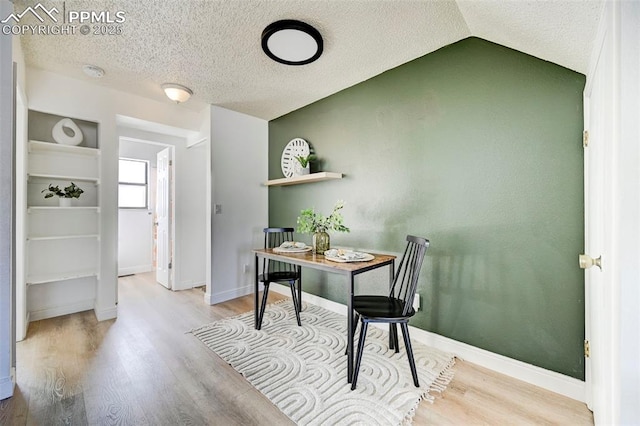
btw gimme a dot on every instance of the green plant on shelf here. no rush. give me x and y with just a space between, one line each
304 161
71 191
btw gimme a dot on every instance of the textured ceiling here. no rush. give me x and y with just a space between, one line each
213 47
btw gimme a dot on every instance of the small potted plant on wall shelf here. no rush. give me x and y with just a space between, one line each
303 166
310 222
64 195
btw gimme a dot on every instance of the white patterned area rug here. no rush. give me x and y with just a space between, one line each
303 370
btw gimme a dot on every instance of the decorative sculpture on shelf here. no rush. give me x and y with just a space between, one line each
67 132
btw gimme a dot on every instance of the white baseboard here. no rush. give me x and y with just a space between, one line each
56 311
546 379
330 305
139 269
106 314
213 298
550 380
187 285
8 384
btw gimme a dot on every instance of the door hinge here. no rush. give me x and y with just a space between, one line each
587 349
170 263
585 139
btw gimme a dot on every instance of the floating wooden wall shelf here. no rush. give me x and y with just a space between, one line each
296 180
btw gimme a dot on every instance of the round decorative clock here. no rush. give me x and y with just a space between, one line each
296 147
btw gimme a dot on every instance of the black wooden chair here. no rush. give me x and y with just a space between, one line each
396 308
280 272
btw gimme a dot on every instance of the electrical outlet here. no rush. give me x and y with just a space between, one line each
416 302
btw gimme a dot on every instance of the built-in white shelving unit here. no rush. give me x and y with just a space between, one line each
62 243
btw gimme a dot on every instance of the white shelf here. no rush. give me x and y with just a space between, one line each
62 177
67 149
42 279
34 209
313 177
63 237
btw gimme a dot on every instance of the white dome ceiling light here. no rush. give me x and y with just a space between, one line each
177 92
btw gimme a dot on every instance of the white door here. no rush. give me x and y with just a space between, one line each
163 219
599 132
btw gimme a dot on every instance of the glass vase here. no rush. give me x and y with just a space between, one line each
320 242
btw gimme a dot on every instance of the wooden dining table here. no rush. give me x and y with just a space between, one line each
319 262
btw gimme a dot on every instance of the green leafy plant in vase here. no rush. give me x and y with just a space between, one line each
65 194
310 222
304 164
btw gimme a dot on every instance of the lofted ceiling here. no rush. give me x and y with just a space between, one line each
213 47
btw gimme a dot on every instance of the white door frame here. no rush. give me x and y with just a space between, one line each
172 227
612 103
627 214
164 203
599 298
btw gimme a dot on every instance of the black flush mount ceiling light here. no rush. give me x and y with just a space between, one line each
292 42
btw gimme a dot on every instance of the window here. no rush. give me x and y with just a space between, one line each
133 184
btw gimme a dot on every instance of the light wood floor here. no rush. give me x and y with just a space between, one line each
142 369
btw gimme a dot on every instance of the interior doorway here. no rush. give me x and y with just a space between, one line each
146 229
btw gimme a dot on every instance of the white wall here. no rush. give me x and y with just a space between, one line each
83 99
135 241
239 148
7 301
191 213
627 211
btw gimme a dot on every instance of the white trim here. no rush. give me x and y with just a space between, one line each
83 305
549 380
20 336
330 305
188 285
139 269
213 298
7 384
106 314
194 142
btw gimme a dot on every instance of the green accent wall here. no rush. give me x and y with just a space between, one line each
478 148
